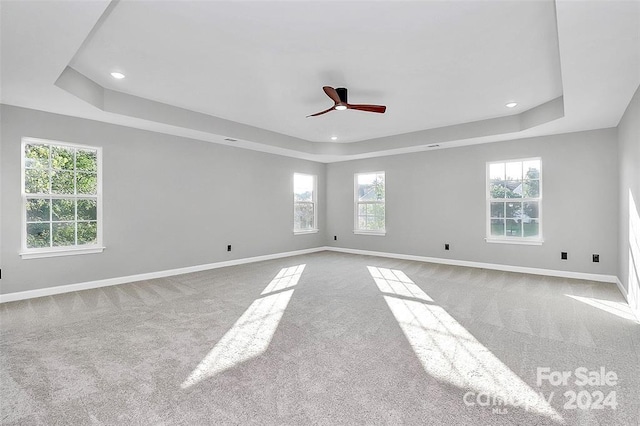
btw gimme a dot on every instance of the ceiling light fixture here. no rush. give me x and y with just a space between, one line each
341 107
334 138
511 104
117 75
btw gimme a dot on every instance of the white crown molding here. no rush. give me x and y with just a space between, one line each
218 130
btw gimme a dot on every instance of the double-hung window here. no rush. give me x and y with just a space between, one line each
369 192
61 199
304 204
514 201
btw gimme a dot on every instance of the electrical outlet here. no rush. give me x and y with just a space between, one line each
446 246
596 258
563 255
229 247
335 238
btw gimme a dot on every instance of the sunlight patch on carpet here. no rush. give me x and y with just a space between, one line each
450 353
619 309
251 335
287 277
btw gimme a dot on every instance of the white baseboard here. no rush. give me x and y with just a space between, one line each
22 295
494 266
30 294
622 289
635 310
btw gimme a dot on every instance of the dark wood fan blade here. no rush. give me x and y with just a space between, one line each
369 108
331 92
321 112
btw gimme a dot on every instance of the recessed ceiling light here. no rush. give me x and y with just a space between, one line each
334 138
117 75
341 107
511 104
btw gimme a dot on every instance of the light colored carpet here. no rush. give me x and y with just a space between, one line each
325 338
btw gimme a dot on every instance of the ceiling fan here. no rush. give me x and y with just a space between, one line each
339 96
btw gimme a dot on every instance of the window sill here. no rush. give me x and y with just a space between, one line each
521 242
60 252
377 233
306 231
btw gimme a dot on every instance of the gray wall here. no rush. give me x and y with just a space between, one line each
438 197
629 163
169 202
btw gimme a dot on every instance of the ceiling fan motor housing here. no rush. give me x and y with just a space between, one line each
342 93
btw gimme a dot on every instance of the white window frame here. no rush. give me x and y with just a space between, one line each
538 240
357 202
41 252
314 202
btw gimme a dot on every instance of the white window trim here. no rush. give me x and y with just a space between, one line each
377 232
306 231
313 201
531 241
522 241
65 251
42 252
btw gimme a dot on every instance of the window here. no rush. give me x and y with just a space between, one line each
61 199
369 203
514 201
304 204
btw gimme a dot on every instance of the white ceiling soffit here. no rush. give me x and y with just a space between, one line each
253 71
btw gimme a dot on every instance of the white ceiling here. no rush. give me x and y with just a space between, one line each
253 71
264 64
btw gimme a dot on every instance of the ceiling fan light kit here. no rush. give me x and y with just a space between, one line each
339 96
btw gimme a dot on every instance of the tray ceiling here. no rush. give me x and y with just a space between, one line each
253 71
